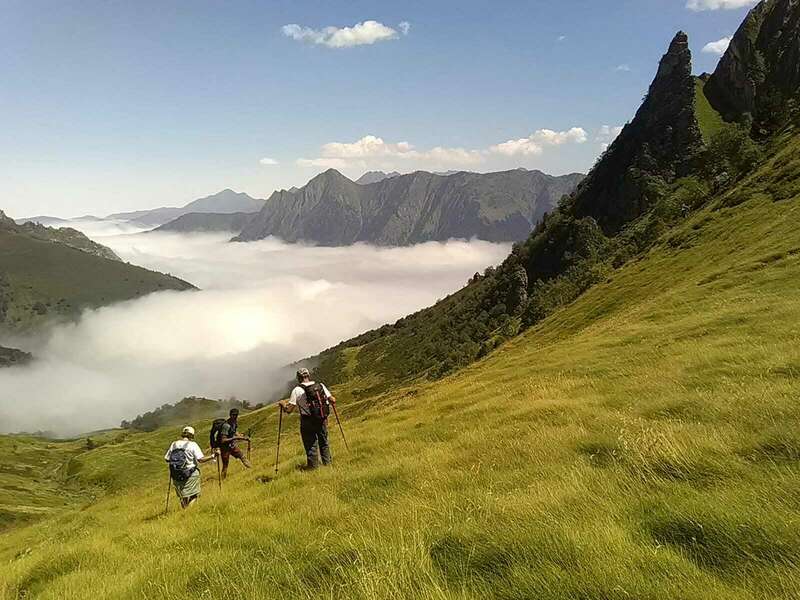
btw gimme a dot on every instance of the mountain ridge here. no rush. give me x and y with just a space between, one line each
223 202
655 175
45 275
332 210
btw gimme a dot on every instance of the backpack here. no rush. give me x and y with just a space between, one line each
215 432
318 407
181 464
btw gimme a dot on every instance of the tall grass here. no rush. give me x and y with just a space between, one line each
641 443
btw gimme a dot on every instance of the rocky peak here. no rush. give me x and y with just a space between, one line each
661 141
760 71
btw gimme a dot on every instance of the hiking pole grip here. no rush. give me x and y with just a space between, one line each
339 423
280 426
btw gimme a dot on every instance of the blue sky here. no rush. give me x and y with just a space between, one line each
110 105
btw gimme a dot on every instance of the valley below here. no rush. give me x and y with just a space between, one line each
260 307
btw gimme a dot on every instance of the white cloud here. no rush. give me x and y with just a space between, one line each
374 150
369 146
607 134
700 5
360 34
266 161
561 38
624 68
231 338
719 47
533 145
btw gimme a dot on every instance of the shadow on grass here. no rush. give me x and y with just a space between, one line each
726 543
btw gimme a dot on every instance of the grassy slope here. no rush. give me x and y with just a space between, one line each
710 120
68 279
641 443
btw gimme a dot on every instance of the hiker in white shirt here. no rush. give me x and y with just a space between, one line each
184 457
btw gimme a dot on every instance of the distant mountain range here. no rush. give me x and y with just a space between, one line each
398 210
225 202
375 177
207 223
43 220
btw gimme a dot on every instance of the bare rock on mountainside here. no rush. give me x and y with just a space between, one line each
662 141
332 210
10 357
759 74
64 235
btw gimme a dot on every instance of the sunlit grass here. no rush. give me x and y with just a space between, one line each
641 443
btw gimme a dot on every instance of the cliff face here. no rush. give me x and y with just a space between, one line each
407 209
761 68
662 140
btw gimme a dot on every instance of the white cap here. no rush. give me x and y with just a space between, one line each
188 430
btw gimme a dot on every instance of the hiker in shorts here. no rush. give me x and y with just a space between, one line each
313 400
227 442
183 457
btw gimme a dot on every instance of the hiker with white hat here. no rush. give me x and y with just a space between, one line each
183 457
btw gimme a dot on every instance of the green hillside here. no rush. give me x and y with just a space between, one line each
710 121
40 279
642 442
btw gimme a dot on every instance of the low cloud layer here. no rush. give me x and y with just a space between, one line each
360 34
262 306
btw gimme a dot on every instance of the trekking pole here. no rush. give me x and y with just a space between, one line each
169 490
338 422
219 475
278 451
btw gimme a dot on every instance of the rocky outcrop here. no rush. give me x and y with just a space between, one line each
332 210
62 235
661 141
10 357
69 237
761 68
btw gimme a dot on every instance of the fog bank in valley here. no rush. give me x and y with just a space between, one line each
261 306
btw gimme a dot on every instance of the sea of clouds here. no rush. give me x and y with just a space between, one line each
261 306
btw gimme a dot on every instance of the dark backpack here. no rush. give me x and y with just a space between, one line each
316 400
181 464
215 432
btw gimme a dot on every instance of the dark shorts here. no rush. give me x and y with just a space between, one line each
227 452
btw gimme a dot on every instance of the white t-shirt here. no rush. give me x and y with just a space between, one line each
193 450
298 398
